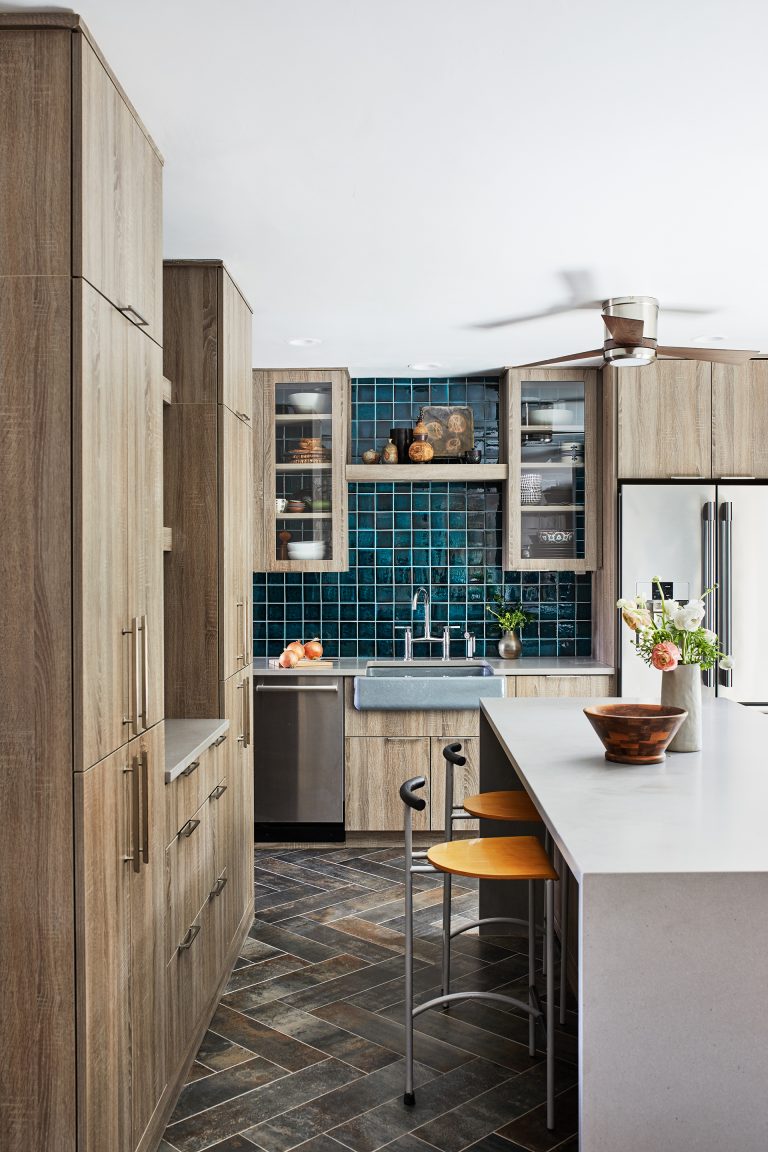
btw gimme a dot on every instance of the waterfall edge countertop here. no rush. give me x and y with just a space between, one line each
185 740
525 666
672 868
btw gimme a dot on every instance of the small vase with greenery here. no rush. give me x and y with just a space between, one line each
511 618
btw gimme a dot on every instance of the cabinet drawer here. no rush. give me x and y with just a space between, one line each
190 873
375 769
185 794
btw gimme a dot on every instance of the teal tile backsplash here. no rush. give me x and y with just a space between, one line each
446 536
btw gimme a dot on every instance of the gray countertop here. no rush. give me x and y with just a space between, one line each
697 812
185 740
525 666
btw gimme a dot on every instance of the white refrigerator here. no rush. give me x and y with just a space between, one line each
691 536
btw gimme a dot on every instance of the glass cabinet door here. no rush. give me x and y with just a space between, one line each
304 444
552 514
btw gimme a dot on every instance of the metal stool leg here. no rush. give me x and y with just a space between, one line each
548 848
550 949
409 1097
563 938
531 966
453 749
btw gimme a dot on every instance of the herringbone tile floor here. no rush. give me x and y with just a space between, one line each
306 1048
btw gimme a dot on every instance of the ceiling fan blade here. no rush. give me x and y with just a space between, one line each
713 355
624 329
564 359
555 310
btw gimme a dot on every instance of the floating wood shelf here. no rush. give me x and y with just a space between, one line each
414 473
303 467
303 515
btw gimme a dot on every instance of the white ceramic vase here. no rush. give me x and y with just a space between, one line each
681 688
510 646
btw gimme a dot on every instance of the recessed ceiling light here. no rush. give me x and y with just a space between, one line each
304 341
426 366
708 341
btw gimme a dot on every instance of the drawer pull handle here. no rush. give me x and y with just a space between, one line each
218 887
190 768
220 740
243 416
189 827
218 791
129 312
189 937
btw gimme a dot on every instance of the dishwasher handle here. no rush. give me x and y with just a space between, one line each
297 687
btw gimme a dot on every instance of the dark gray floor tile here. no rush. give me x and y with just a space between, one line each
233 1144
217 1053
280 937
428 916
444 1026
320 1034
225 1085
427 982
308 871
263 1041
326 900
383 912
271 879
339 941
464 1125
495 1143
365 978
530 1129
387 872
326 972
407 1143
198 1069
234 1116
321 1143
264 970
378 1126
354 905
300 1124
391 1034
275 898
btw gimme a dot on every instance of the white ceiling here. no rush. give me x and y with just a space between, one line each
381 174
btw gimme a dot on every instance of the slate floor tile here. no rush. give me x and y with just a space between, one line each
530 1129
391 1034
232 1082
363 980
264 1041
427 982
355 905
280 937
325 1036
274 899
341 872
234 1144
324 973
263 970
217 1053
443 1026
326 900
381 912
337 939
198 1069
236 1115
310 872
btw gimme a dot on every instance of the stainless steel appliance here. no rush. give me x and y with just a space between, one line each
693 535
298 758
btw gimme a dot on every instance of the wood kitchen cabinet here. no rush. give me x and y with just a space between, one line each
374 770
235 548
664 420
118 548
120 875
528 686
552 506
237 707
300 456
740 420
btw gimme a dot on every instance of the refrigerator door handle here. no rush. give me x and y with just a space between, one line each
725 599
708 526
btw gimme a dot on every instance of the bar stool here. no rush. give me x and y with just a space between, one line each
509 807
491 858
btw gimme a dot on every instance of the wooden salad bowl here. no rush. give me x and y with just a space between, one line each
635 733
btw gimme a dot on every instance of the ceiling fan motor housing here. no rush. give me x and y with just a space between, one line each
644 308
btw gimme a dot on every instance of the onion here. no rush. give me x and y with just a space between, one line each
313 649
296 647
288 659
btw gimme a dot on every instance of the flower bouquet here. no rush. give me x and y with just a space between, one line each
674 641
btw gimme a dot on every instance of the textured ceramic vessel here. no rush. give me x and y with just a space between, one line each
681 688
390 454
510 646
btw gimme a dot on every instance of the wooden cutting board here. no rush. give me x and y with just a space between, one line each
303 664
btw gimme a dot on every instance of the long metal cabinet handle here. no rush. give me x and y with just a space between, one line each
247 743
246 646
241 737
297 687
132 719
241 655
145 805
138 711
708 526
189 937
135 818
129 312
725 675
144 672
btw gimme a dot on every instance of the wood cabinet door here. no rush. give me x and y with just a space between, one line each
144 433
117 202
466 781
740 420
528 686
238 755
106 842
236 390
234 531
665 420
147 919
105 650
374 770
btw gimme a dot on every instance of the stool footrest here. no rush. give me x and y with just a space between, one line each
536 1012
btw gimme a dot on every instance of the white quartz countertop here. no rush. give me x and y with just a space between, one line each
185 740
697 812
525 666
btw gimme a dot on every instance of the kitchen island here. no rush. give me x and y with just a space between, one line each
671 862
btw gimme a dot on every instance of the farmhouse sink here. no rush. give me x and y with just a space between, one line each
432 686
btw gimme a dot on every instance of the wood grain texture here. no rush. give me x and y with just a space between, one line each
266 550
37 1074
512 532
528 686
604 580
237 705
235 367
105 846
740 420
234 538
117 200
665 420
191 332
374 771
189 869
35 152
190 465
466 780
494 858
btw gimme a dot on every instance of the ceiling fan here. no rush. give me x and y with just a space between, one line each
630 323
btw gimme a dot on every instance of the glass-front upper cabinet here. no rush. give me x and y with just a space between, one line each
301 453
553 496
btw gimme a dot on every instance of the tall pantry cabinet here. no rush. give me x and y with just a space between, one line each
81 683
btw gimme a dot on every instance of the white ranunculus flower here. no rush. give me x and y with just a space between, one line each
670 607
726 662
710 636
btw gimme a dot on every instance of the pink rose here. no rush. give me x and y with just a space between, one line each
665 656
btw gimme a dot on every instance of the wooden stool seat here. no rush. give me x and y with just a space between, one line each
494 858
513 806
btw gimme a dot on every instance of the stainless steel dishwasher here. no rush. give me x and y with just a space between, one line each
298 754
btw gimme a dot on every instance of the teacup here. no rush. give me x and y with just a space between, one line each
280 505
